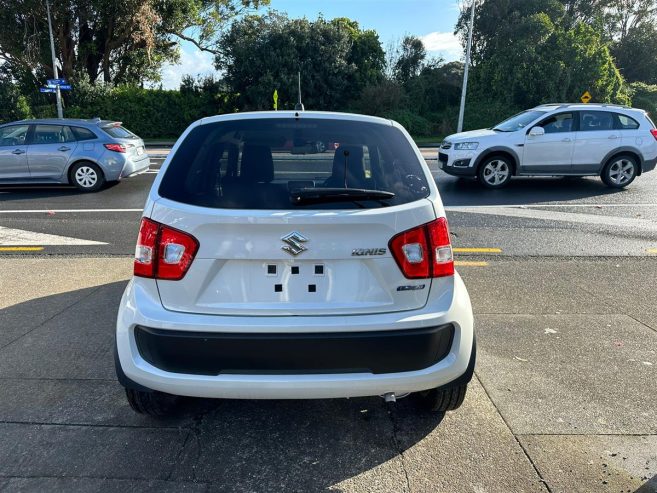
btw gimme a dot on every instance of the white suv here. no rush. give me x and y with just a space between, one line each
265 269
614 142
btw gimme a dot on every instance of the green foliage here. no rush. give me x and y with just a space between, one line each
644 96
526 55
636 54
336 60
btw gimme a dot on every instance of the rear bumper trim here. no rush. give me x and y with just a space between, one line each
376 352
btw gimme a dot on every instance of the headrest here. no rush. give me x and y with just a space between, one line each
355 170
257 164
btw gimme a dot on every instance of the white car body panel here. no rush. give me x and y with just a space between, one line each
227 290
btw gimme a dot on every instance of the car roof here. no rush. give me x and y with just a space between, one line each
58 121
325 115
588 106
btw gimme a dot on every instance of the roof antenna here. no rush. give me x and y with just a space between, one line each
299 105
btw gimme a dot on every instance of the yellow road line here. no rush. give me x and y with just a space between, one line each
477 250
468 263
652 250
21 249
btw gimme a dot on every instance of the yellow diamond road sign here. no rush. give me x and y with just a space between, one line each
586 97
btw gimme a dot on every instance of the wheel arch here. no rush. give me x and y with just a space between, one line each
623 151
498 151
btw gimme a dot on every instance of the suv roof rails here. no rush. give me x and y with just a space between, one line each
567 105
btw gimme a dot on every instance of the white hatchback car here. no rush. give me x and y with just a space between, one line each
614 142
265 269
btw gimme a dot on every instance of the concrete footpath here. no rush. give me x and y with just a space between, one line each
564 399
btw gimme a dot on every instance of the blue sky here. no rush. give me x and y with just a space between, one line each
432 20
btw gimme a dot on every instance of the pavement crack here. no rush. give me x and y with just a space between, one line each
515 437
395 439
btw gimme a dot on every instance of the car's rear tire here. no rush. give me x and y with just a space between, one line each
154 403
441 400
87 177
620 171
495 171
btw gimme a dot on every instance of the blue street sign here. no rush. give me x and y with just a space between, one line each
47 89
56 82
65 87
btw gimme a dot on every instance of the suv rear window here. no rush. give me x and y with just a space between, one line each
258 163
624 122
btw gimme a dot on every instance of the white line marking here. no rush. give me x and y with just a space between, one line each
573 217
45 211
19 237
528 206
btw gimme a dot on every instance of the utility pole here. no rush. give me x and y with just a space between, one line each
464 90
60 112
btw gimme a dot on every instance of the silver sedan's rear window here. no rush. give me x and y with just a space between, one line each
265 163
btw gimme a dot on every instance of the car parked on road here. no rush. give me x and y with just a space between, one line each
84 153
614 142
269 273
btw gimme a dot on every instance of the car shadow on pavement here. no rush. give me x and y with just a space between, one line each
30 192
522 191
60 403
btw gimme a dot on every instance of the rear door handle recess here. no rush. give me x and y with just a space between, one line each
18 152
64 148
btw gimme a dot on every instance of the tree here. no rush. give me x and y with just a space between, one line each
636 54
262 53
124 41
410 59
526 54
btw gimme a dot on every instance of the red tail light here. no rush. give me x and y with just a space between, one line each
115 147
653 131
163 252
424 251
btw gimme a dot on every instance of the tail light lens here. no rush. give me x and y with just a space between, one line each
115 147
163 252
424 251
653 131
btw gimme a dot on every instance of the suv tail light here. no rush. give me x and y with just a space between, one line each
115 147
424 251
163 252
653 131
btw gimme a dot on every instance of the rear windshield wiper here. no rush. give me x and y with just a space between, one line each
304 196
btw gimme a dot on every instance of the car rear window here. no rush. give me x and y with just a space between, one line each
83 133
119 132
624 122
258 163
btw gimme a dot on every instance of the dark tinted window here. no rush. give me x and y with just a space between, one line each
83 133
119 132
51 134
14 135
255 164
591 121
624 122
563 122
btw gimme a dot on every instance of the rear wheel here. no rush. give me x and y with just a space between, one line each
157 404
495 172
87 177
441 400
620 172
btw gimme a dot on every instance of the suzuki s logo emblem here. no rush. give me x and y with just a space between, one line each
293 243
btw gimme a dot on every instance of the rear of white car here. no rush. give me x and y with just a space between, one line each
265 269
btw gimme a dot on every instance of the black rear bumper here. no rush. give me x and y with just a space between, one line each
207 353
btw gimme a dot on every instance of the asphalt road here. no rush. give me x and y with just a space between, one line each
531 217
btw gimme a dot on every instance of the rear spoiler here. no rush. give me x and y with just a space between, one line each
108 124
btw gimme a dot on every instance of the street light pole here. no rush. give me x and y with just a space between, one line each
60 112
466 69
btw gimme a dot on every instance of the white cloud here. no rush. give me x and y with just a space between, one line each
445 44
192 61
